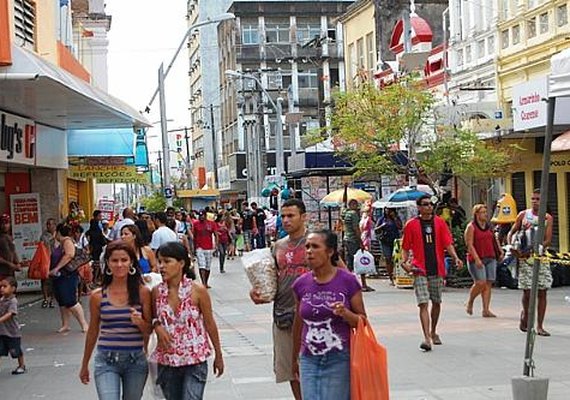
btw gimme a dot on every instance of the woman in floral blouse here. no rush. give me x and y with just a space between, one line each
184 325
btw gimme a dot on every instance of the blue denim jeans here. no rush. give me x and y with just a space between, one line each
325 377
183 383
116 368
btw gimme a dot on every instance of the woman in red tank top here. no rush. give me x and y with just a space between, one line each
483 252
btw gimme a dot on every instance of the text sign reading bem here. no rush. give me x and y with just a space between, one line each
17 139
26 230
107 172
529 108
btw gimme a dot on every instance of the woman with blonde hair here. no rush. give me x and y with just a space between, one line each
483 253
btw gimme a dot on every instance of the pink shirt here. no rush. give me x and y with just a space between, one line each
190 343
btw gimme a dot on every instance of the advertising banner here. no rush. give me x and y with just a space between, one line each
529 107
26 231
107 207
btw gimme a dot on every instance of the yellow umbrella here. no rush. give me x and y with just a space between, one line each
335 199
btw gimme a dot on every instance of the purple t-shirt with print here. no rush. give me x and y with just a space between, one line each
323 331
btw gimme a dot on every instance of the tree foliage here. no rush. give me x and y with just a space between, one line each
369 125
154 203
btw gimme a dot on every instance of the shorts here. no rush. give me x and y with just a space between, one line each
65 289
487 273
10 345
204 258
428 288
525 274
247 237
283 354
387 250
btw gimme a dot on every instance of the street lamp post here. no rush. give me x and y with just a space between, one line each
162 74
278 107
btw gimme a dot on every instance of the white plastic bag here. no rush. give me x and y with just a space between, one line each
261 271
364 263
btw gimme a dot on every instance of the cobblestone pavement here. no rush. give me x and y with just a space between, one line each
477 360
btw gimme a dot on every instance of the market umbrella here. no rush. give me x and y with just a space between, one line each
342 196
403 197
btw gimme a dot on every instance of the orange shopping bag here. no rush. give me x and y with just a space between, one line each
39 265
368 365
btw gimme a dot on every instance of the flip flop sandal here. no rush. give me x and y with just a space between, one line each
425 346
436 340
19 371
45 304
543 333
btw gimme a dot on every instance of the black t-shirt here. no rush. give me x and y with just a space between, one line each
247 217
428 235
260 218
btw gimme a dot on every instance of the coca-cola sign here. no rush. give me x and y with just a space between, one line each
17 139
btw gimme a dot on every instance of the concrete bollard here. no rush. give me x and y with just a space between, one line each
529 388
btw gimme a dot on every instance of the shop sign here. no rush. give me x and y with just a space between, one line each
107 208
140 178
115 174
529 107
17 139
26 230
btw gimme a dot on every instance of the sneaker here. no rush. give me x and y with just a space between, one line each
19 371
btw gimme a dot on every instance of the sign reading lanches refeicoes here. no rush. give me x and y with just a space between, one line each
107 173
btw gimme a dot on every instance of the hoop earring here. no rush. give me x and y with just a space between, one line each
132 270
108 271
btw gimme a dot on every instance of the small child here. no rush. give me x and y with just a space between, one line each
10 334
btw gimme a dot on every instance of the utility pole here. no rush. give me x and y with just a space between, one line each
160 170
164 131
214 146
188 171
279 150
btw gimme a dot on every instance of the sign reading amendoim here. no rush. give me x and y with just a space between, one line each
17 139
529 108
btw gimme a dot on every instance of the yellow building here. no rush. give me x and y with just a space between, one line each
360 50
530 33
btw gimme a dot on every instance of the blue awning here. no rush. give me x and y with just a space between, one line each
101 143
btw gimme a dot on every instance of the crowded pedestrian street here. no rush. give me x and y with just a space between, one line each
476 361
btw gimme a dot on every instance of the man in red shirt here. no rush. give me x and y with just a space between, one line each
203 231
427 237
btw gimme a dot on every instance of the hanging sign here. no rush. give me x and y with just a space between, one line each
117 173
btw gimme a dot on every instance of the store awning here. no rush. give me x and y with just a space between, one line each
39 90
96 143
559 83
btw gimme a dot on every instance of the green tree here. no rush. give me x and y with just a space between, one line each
370 124
154 203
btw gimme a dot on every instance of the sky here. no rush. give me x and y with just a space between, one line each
143 34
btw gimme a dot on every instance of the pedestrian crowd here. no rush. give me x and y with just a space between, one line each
136 322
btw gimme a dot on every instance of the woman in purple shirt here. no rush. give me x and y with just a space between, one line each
329 304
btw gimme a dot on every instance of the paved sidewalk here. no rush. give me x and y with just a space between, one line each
477 360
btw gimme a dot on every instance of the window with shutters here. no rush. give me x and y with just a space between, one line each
519 190
25 22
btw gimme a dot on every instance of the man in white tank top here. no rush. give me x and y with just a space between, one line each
527 224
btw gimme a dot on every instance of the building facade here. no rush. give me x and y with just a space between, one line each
294 48
204 90
530 33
